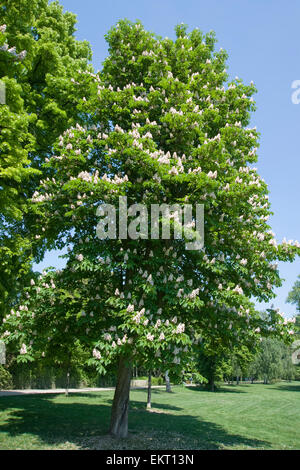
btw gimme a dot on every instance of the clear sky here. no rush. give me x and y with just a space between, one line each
262 40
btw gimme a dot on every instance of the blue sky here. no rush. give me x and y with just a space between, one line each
262 40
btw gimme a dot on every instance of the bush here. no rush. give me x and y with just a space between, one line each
157 381
297 373
154 380
5 379
194 378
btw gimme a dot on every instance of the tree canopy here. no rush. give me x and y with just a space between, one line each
38 56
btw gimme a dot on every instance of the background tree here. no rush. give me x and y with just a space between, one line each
294 295
273 361
15 144
38 58
240 359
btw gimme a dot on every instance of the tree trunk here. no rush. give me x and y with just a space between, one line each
168 384
119 412
149 391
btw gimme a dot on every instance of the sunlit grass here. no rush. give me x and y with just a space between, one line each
236 417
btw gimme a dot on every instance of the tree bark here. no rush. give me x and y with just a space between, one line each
119 412
168 385
149 391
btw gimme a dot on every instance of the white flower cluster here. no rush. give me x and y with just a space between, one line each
194 293
212 175
116 179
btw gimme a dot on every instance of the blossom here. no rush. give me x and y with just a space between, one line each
180 328
96 354
194 293
212 175
238 289
260 237
137 318
12 51
22 55
180 292
23 349
85 176
173 171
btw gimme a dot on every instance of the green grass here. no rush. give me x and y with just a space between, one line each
236 417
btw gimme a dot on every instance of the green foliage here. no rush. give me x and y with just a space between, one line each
159 123
294 296
297 372
154 380
273 361
259 417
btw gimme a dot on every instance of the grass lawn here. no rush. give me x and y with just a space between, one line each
236 417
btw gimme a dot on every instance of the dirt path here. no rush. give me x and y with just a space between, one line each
7 393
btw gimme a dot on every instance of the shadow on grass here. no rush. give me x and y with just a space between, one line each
81 423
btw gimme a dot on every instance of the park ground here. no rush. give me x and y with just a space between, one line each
248 416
